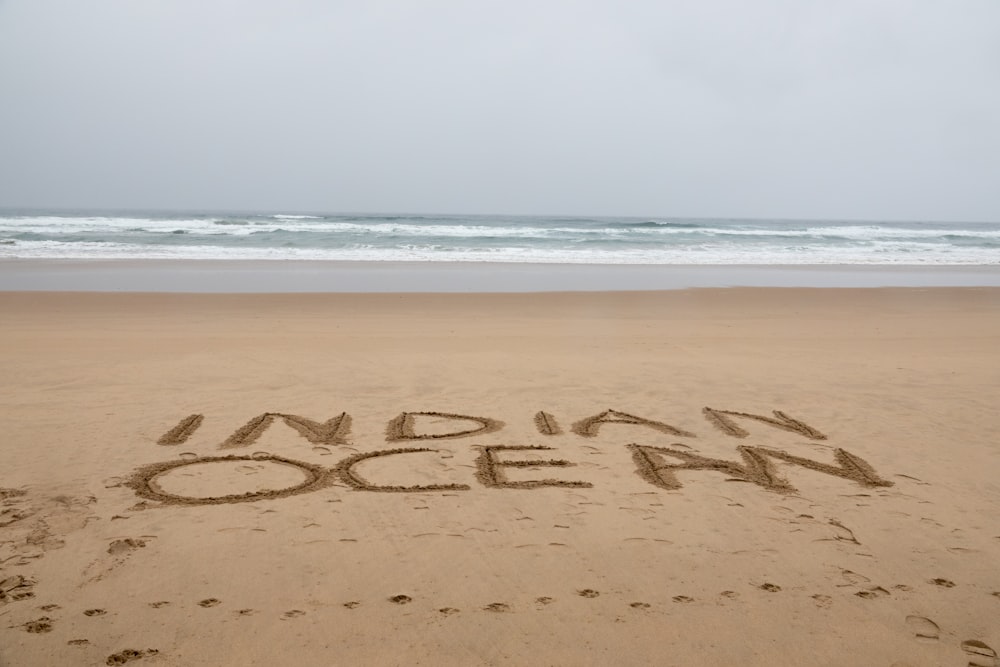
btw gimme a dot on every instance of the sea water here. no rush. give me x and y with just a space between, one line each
493 238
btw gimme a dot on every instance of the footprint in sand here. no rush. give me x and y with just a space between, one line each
497 607
924 628
822 601
944 583
639 605
352 604
293 613
732 595
94 612
872 593
448 611
49 607
588 593
16 588
124 546
544 600
209 602
157 605
39 625
401 599
980 654
854 577
770 588
78 642
246 612
128 655
683 599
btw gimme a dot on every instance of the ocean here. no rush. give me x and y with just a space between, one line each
493 238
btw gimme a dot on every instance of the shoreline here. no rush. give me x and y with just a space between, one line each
318 276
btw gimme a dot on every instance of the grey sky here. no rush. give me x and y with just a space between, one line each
871 109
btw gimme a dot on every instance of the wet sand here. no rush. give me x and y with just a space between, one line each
241 276
711 476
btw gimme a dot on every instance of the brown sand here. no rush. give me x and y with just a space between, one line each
702 477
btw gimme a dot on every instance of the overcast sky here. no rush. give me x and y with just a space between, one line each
867 109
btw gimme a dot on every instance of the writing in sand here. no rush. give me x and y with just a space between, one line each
654 464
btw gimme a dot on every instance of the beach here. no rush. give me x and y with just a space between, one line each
508 334
756 476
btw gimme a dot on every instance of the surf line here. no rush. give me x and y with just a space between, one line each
657 465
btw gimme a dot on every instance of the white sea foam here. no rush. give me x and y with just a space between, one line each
82 225
495 239
453 229
884 254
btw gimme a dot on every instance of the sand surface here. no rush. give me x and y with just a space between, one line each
248 276
188 479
